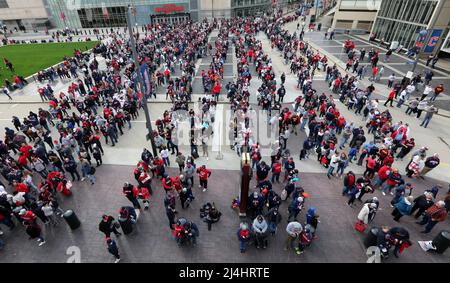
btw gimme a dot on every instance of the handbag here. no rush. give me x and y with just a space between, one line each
360 226
283 194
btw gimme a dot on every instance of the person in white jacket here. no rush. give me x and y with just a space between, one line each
293 229
334 162
260 228
48 211
421 107
363 214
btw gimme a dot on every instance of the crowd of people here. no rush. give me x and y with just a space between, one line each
106 102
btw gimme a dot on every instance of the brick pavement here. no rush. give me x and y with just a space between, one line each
152 240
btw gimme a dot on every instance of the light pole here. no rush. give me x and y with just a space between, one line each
140 84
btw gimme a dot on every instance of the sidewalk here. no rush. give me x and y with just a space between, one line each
433 136
443 64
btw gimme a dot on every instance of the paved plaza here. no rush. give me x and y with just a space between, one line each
152 240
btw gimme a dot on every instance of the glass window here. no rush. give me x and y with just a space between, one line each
3 4
96 18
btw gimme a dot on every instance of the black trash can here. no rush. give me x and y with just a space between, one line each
371 238
441 241
71 219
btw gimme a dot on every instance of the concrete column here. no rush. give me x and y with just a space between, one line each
355 24
333 25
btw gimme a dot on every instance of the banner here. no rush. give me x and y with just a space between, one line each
432 42
105 12
89 15
146 77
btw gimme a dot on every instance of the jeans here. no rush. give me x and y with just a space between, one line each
303 124
378 181
430 223
276 177
425 122
330 171
166 161
387 188
91 178
344 140
243 245
272 227
340 169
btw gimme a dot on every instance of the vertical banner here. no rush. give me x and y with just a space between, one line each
89 15
145 75
105 11
432 42
421 37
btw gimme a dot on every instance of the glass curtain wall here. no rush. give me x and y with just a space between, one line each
401 20
103 17
103 13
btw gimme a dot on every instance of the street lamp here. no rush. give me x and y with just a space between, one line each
140 85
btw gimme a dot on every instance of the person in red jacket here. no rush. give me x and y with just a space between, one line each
167 183
390 98
394 179
21 187
216 91
26 149
203 175
22 161
276 170
349 182
179 231
145 181
27 216
370 167
388 160
383 174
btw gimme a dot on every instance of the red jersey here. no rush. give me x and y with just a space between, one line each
203 174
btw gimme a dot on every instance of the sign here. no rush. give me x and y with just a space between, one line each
432 42
170 8
422 36
409 75
394 45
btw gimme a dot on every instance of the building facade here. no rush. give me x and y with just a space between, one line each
355 14
112 13
29 14
402 20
